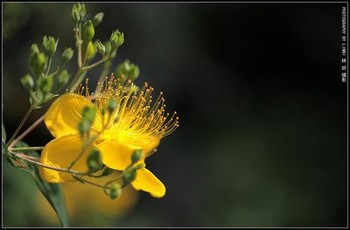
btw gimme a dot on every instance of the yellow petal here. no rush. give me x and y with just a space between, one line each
145 142
150 145
148 182
64 115
115 154
60 153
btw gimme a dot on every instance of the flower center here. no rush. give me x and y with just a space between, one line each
137 120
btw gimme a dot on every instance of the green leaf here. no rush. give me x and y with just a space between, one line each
51 191
54 195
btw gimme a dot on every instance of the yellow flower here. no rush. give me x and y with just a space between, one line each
136 123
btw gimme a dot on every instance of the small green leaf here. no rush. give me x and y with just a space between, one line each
54 195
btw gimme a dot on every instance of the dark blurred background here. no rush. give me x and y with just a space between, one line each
263 113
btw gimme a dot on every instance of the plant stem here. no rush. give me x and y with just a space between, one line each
48 67
27 148
35 161
90 182
20 126
79 76
35 124
86 68
79 42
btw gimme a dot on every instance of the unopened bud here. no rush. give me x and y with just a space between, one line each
78 12
88 31
67 55
89 49
100 48
27 82
98 18
75 17
88 115
127 70
84 127
46 84
115 191
111 104
37 61
94 161
50 45
117 39
63 78
129 175
136 156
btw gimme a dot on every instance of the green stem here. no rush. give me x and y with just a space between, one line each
89 182
79 42
78 78
106 69
48 67
34 160
20 126
35 124
28 148
86 68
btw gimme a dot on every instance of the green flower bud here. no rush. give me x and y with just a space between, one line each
50 45
136 156
115 191
89 49
134 72
78 12
107 172
89 114
129 175
84 127
67 55
88 31
34 48
98 18
27 82
111 104
82 10
100 48
46 84
76 17
63 78
117 39
108 47
127 70
140 166
94 161
37 61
